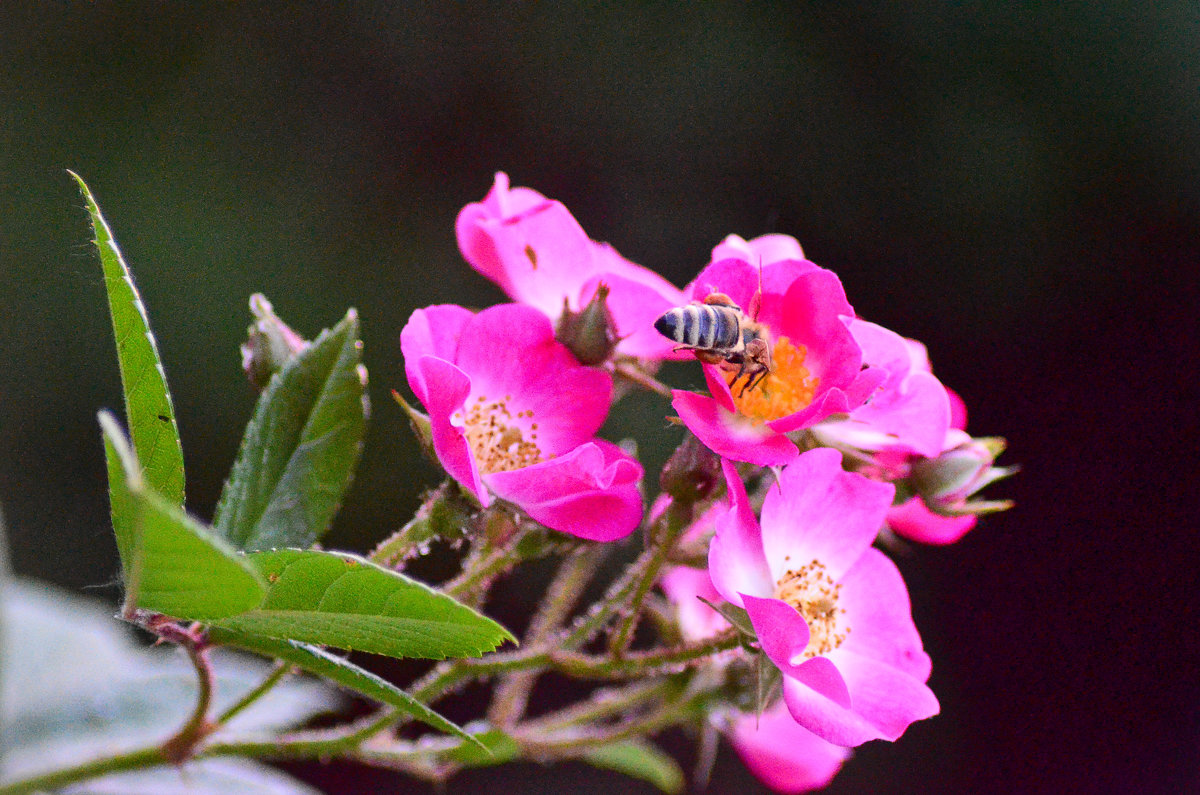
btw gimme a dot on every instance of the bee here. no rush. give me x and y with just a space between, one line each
719 332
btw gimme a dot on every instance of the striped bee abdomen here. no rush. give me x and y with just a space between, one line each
701 326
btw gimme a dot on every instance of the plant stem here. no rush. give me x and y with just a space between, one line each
512 693
150 756
663 537
281 670
641 663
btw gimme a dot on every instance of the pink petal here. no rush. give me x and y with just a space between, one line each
810 315
884 702
958 410
736 278
546 256
764 248
783 634
481 230
782 754
590 492
735 555
683 585
915 521
432 331
916 413
731 435
821 512
447 389
877 609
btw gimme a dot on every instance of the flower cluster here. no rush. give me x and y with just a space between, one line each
846 434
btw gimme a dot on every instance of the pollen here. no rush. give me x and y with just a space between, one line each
500 440
788 388
814 595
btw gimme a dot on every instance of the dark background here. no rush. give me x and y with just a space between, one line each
1018 185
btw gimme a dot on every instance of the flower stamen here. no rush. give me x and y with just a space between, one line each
498 438
814 595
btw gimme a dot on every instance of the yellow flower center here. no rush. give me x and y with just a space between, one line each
814 594
788 388
497 438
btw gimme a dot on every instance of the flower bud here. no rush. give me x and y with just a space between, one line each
691 472
271 343
947 482
591 333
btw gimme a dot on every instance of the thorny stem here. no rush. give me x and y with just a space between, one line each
512 693
641 663
663 537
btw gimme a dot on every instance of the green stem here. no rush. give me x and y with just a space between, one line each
276 676
641 663
512 693
663 537
151 756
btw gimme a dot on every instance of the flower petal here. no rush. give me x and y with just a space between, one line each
878 613
432 331
447 388
784 755
884 702
590 492
810 314
915 521
821 512
730 435
764 248
735 554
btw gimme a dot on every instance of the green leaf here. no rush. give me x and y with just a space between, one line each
80 686
171 563
342 600
300 448
148 406
639 759
490 747
738 618
317 661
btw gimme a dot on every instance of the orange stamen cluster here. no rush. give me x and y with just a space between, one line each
497 438
788 388
814 594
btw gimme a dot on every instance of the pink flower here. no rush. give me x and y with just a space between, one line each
829 610
514 415
782 754
817 363
778 751
536 251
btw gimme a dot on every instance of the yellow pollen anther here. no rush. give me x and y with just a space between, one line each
498 444
785 390
814 594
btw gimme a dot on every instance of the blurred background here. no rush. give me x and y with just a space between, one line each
1017 185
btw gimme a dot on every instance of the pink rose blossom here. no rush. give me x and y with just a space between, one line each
817 364
829 610
514 415
782 754
536 251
